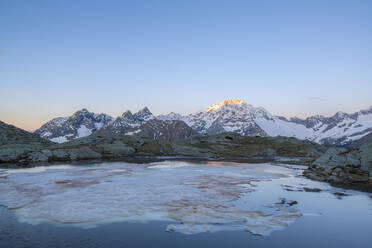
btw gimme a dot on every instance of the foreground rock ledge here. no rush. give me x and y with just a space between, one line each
344 167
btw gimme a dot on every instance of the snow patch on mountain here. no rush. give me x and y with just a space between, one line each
278 127
60 139
83 131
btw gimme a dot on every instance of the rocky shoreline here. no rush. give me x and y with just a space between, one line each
345 167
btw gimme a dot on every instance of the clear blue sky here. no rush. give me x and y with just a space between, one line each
291 57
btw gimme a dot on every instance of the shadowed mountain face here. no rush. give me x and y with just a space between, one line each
15 143
166 130
11 135
227 116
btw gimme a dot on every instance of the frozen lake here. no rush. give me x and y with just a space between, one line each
178 203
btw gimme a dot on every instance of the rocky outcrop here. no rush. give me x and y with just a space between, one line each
15 142
88 148
234 146
11 135
226 146
344 166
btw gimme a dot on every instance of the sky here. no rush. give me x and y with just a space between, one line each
294 58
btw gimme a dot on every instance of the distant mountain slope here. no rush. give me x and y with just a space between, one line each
227 116
82 123
143 123
341 128
240 117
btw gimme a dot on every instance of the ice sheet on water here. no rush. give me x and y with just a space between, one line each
201 197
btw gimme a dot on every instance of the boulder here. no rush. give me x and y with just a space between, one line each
331 157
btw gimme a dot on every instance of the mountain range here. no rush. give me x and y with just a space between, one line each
227 116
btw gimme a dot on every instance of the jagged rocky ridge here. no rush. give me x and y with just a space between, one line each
144 124
127 123
227 116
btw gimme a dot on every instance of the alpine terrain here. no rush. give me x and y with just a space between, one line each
227 116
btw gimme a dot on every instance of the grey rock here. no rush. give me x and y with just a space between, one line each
215 128
38 156
83 153
342 165
11 135
366 158
330 158
118 148
12 153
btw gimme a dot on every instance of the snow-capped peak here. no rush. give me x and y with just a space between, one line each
340 115
224 103
144 115
127 115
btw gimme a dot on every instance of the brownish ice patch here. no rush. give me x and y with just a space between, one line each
76 183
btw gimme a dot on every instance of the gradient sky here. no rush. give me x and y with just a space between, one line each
290 57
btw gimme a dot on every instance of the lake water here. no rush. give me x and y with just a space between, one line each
178 204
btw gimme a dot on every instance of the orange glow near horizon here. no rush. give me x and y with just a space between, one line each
30 125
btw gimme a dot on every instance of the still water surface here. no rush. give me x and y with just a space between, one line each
178 204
